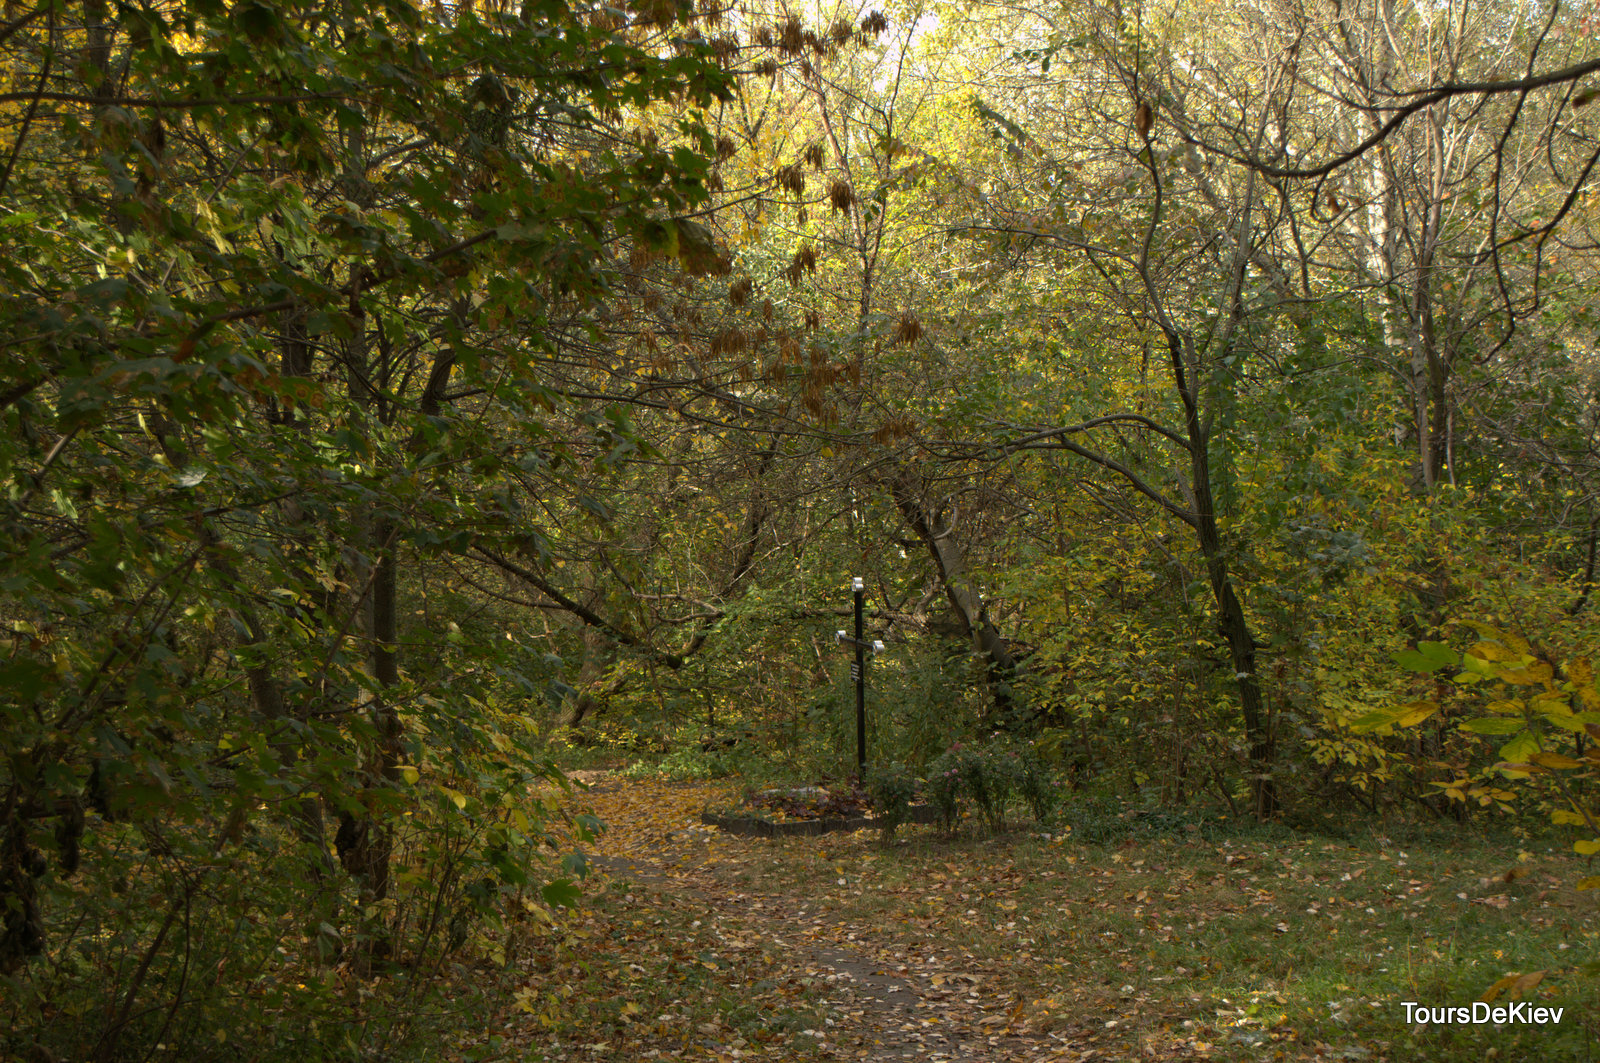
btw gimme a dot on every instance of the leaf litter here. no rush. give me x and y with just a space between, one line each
875 997
693 944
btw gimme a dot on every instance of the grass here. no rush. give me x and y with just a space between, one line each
1229 939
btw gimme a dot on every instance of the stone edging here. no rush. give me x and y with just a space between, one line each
765 828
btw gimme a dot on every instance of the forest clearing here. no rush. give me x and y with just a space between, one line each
960 531
1176 938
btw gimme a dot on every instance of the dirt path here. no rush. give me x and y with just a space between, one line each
885 1000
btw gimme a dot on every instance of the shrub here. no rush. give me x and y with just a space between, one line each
1000 770
891 789
686 765
992 777
1040 787
918 708
943 788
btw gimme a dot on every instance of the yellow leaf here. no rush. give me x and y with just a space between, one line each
1516 770
456 796
1499 987
1526 982
1551 700
409 774
1536 672
1556 760
1416 712
1590 883
1588 847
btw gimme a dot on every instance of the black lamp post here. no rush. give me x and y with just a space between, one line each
858 672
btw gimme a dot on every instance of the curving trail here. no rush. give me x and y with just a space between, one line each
881 999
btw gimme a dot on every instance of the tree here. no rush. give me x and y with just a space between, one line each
1446 175
278 285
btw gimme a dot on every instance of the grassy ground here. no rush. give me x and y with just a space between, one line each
1247 941
1147 935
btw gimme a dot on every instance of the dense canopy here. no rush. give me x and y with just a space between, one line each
399 401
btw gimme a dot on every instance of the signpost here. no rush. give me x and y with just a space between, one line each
858 672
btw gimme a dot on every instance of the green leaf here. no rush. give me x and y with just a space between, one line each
1520 748
25 678
1427 657
697 247
561 893
1493 725
1566 721
1372 721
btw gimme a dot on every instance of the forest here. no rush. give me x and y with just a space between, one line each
437 442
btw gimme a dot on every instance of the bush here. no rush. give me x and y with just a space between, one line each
943 790
891 789
1040 787
687 765
918 703
992 777
920 706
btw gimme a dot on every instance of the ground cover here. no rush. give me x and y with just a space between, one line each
1158 937
1258 946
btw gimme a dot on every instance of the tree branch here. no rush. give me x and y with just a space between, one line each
577 609
1421 100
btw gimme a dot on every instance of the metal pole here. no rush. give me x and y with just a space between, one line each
859 586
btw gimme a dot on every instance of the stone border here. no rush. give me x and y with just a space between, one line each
766 828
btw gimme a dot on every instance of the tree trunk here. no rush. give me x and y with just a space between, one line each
968 604
1231 615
